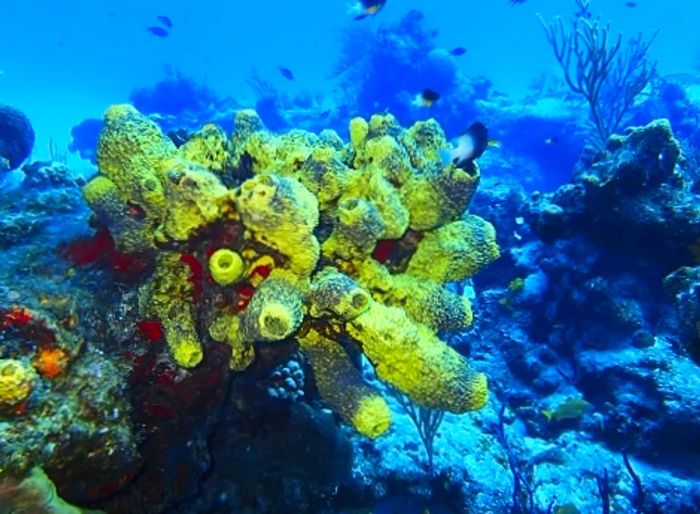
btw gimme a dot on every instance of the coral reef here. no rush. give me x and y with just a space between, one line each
590 346
16 138
244 265
179 358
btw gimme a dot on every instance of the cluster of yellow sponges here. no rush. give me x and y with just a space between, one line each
263 238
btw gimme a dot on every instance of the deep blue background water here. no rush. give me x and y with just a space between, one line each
64 61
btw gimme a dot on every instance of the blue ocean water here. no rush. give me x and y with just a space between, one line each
170 341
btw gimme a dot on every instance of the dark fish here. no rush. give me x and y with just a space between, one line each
460 50
426 98
158 31
324 115
630 4
369 8
470 145
516 2
165 21
286 73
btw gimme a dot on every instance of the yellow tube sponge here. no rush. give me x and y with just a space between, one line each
196 198
390 156
423 141
274 313
359 129
438 195
208 147
357 229
424 300
341 386
282 214
16 382
371 184
455 251
131 147
337 295
226 329
413 359
383 125
324 174
226 266
245 123
131 233
169 297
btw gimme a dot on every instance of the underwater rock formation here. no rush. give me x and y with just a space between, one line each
589 345
297 237
49 192
16 138
631 197
684 286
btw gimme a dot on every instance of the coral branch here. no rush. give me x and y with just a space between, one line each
606 74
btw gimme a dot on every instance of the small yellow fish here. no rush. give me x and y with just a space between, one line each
571 408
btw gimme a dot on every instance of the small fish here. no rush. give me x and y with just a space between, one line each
470 145
158 31
551 140
571 408
630 4
426 98
516 2
460 50
368 8
286 73
4 163
324 115
165 21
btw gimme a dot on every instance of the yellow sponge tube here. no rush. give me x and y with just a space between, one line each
226 266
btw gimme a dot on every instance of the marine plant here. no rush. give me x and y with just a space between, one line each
639 494
606 73
603 484
427 422
56 153
523 496
339 249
